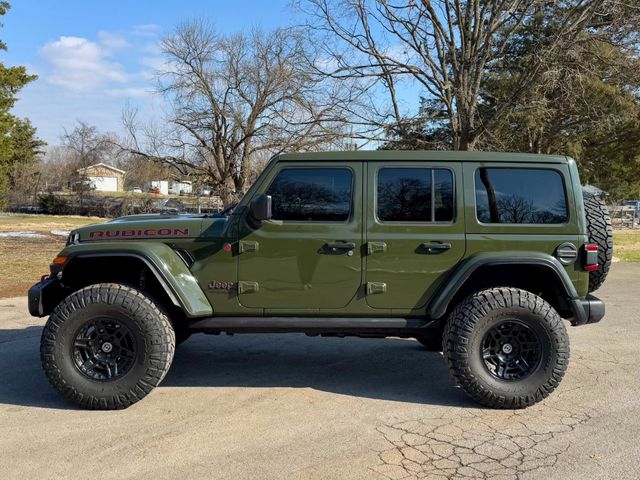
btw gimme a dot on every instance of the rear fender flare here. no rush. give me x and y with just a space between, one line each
443 297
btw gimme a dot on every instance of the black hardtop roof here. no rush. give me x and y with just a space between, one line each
419 155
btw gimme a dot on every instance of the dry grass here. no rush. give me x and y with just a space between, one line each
28 258
626 245
44 223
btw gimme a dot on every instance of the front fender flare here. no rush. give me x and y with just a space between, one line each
443 297
166 265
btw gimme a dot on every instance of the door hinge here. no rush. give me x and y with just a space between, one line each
248 246
248 287
376 247
376 287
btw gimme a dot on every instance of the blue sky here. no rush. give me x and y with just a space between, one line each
92 57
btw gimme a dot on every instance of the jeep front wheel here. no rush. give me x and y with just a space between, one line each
106 346
507 348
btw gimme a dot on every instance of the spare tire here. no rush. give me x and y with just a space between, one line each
600 233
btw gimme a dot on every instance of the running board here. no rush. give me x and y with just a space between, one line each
313 325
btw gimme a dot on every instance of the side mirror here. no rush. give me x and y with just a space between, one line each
260 207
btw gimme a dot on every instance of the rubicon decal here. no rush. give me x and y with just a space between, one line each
148 232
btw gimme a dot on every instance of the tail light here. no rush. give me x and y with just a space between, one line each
590 257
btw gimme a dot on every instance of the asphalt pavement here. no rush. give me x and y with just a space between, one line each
291 406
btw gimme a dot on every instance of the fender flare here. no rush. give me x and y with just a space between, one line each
168 268
445 294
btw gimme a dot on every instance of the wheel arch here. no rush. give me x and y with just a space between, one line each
169 272
538 273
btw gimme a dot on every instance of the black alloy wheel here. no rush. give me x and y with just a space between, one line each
104 349
511 350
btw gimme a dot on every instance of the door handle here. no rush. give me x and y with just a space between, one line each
339 247
433 247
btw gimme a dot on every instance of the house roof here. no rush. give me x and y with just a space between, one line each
103 165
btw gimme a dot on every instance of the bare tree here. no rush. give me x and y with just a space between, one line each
234 99
445 47
86 146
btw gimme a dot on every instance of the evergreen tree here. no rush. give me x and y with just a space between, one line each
18 141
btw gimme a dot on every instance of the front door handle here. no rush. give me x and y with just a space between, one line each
339 247
433 247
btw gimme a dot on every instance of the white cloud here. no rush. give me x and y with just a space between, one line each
129 92
152 48
81 65
112 41
91 79
146 30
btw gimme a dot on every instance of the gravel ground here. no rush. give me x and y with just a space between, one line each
290 406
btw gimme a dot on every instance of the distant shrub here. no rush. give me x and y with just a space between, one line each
52 205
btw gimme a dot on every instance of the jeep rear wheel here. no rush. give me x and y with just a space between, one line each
600 232
106 346
506 348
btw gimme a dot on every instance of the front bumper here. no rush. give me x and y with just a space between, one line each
589 310
45 295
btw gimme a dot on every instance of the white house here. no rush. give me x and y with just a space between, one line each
182 186
104 178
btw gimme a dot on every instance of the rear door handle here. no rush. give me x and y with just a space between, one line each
435 246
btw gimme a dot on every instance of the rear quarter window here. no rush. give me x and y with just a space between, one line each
520 196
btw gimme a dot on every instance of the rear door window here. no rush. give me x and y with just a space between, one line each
415 195
520 196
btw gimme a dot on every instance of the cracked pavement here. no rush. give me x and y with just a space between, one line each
290 406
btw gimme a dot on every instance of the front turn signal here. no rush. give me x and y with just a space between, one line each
59 260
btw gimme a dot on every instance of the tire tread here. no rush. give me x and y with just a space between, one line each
160 343
460 326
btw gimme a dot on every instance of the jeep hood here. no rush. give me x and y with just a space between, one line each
158 227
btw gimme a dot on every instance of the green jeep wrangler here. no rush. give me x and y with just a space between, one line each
478 255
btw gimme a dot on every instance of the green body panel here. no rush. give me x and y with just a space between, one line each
280 269
288 260
144 227
528 238
410 273
215 264
421 156
164 261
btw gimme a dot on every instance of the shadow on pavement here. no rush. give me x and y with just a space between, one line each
386 369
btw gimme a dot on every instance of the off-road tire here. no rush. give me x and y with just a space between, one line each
478 314
600 232
150 329
432 344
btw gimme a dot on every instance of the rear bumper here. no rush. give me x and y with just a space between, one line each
589 310
44 296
